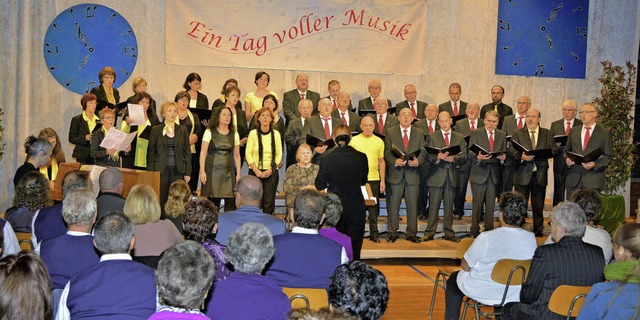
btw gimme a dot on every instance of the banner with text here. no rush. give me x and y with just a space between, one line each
381 36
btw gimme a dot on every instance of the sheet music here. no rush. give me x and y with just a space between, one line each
94 174
116 139
136 114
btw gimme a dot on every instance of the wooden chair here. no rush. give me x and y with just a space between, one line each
24 239
309 298
504 272
540 241
445 271
567 300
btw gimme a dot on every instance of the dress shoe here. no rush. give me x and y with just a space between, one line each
458 217
452 239
413 239
427 238
392 238
374 237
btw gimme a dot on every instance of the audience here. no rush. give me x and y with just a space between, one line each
299 175
200 225
11 244
360 290
152 234
38 155
246 294
183 279
568 261
248 197
25 288
333 212
111 190
115 288
304 259
322 314
32 194
179 196
618 297
474 280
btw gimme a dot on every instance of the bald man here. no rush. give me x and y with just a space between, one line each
291 98
509 126
348 117
111 189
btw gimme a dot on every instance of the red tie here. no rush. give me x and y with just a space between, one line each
327 131
335 105
380 124
446 139
430 128
302 96
455 108
568 129
343 119
520 123
413 110
473 125
491 141
405 140
587 136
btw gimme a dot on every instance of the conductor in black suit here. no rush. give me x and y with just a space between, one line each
375 89
417 107
455 106
558 128
503 110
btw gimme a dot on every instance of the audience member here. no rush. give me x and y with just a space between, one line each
115 288
200 225
359 290
617 298
248 196
299 175
569 261
179 196
304 259
247 294
332 213
38 155
25 288
111 190
57 154
10 244
322 314
152 234
474 280
183 280
32 194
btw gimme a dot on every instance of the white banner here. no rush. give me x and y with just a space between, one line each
386 37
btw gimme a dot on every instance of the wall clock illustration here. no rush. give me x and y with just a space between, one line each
83 39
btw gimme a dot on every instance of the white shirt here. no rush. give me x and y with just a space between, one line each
431 123
345 113
302 119
300 93
329 123
384 118
11 244
343 255
475 123
408 132
34 239
584 131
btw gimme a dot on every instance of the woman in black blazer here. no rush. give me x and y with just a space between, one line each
169 151
105 91
82 128
223 100
192 85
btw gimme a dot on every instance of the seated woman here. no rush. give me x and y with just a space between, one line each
25 287
100 155
82 128
140 85
200 225
507 242
32 194
300 175
57 155
333 212
179 196
618 297
153 235
249 249
38 155
183 279
139 145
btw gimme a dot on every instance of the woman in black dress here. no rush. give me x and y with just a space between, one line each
191 121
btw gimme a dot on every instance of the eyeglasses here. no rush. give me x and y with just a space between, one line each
109 118
583 112
567 110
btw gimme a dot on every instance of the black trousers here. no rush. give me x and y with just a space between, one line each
195 171
461 192
558 186
269 190
374 210
453 298
229 203
352 224
537 193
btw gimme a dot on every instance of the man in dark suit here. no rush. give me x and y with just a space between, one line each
375 89
465 126
349 118
293 136
111 189
443 176
334 90
291 98
510 124
455 106
568 261
321 126
417 107
486 171
503 110
558 128
428 125
383 119
403 175
584 140
530 177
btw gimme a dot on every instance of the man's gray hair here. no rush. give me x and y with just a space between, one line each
571 217
250 187
76 180
113 232
250 248
79 207
110 178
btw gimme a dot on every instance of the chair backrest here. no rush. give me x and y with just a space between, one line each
24 239
567 300
510 271
463 246
541 240
309 298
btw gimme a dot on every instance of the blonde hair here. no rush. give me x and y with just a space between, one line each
137 82
179 196
142 205
302 146
166 106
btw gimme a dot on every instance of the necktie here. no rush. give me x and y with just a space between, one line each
491 141
430 127
455 108
405 140
380 124
520 123
343 119
327 131
533 139
302 96
446 139
473 126
495 107
568 129
413 110
335 104
587 136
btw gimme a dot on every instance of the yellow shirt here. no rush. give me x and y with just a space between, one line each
256 103
92 123
54 170
373 148
252 155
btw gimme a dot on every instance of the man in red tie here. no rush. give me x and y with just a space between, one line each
454 106
429 124
417 107
465 126
375 89
584 140
346 116
383 119
559 128
321 126
509 126
334 89
291 98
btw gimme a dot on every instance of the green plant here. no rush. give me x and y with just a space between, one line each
615 108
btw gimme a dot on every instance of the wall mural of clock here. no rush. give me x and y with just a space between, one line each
542 38
83 39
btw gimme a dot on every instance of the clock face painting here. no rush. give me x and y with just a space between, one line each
542 38
85 38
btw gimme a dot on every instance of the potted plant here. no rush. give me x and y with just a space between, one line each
615 106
